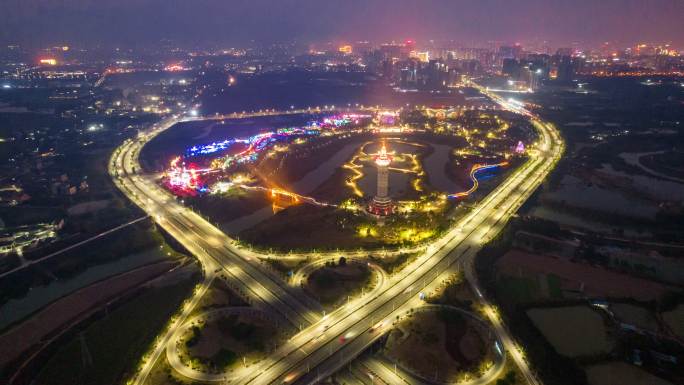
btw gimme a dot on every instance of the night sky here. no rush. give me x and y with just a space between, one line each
195 22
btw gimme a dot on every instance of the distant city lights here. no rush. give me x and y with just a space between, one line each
95 127
174 68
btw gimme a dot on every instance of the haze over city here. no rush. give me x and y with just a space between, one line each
214 22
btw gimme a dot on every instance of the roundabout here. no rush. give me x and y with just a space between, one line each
326 342
217 345
332 295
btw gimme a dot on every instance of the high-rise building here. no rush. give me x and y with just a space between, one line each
436 74
566 70
564 52
409 46
423 56
511 52
511 67
345 49
392 51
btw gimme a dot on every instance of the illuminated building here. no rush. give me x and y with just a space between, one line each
391 51
387 118
520 148
436 74
382 203
421 56
345 49
49 61
511 52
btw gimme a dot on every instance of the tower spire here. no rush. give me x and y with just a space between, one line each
382 203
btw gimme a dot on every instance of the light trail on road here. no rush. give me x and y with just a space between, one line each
318 345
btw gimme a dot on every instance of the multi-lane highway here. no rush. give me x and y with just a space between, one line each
326 343
428 271
212 247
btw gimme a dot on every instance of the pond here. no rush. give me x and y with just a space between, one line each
434 165
312 180
576 192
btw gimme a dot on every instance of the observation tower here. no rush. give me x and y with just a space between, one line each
382 203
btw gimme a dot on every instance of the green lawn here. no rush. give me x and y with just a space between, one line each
395 263
517 290
116 342
554 283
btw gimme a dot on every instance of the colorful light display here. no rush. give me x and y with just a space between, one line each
186 180
187 176
388 118
520 148
473 176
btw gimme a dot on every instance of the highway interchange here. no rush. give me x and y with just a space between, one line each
320 345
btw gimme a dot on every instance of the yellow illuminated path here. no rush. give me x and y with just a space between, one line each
323 345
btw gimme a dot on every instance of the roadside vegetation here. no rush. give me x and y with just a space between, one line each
108 351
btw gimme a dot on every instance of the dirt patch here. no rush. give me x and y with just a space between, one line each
219 295
454 292
226 340
572 330
395 262
307 227
670 163
229 207
285 266
442 342
333 283
675 320
456 327
635 315
621 373
576 277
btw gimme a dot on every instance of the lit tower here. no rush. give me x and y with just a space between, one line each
382 203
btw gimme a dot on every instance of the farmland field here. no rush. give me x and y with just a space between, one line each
573 331
621 373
